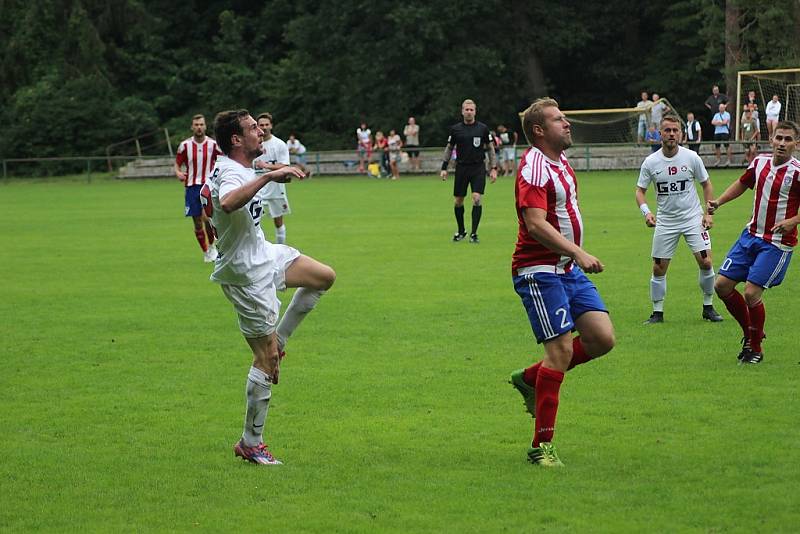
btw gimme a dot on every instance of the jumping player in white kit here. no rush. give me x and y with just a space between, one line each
673 170
275 154
250 269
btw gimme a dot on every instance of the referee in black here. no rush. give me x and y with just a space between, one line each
472 139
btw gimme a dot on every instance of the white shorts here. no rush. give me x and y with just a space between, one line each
665 241
257 304
507 153
278 207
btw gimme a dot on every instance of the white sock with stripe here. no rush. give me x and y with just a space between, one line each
658 290
706 280
258 393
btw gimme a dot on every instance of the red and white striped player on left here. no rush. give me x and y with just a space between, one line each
198 155
761 256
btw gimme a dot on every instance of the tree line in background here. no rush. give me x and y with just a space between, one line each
77 75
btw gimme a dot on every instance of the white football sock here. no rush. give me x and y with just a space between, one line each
280 234
258 392
706 280
303 301
658 290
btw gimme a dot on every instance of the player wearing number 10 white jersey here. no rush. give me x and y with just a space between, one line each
673 171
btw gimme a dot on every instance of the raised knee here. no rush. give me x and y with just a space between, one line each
328 278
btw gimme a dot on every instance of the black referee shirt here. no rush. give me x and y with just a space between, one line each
469 140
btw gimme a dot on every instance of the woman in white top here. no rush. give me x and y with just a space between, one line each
773 112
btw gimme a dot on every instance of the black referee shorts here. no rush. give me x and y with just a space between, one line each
472 175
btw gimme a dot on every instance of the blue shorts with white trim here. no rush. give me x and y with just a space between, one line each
194 207
754 260
553 301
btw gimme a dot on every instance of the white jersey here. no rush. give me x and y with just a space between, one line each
245 256
296 146
274 151
674 178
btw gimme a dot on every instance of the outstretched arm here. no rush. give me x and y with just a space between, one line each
734 191
243 194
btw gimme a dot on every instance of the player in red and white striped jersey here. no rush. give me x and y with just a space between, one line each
198 154
548 273
761 256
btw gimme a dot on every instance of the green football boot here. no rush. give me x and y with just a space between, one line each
528 392
544 455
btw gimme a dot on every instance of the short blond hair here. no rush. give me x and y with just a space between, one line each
534 116
198 117
468 101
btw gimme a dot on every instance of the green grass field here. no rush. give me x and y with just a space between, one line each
123 376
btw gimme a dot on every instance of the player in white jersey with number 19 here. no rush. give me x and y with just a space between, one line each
673 170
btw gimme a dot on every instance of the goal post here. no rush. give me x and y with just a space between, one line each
782 82
611 125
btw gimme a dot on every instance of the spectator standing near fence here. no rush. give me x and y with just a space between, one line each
508 148
411 133
644 117
657 111
722 132
750 134
198 154
693 133
714 100
773 112
297 154
394 144
364 147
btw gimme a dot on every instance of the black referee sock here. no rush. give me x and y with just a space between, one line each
459 211
476 218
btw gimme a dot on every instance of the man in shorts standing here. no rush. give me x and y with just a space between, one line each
275 154
473 140
673 171
548 273
198 154
761 256
250 269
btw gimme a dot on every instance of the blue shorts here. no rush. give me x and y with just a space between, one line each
754 260
553 301
193 206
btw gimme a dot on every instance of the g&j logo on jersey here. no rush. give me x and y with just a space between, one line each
476 142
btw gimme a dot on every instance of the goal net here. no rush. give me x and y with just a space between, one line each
612 126
765 83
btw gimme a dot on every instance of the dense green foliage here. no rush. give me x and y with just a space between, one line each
77 75
124 372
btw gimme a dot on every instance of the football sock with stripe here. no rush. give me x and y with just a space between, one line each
459 211
209 232
758 316
736 305
579 357
658 290
303 301
200 234
548 384
706 280
280 234
476 217
258 393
